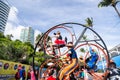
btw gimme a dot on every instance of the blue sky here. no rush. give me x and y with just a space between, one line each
44 14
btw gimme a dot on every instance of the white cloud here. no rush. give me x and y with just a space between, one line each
13 15
15 31
12 26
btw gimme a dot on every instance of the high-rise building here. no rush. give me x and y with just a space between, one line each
4 12
27 35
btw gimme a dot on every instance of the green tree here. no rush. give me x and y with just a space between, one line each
3 47
18 51
15 50
2 35
9 36
38 37
40 56
89 22
27 50
113 3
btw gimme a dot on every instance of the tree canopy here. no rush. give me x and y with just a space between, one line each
18 51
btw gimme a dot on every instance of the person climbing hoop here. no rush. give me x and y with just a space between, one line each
66 71
91 61
58 42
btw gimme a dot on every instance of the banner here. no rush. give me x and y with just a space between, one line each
8 69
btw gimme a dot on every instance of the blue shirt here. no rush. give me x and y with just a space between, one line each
93 59
21 73
93 53
73 53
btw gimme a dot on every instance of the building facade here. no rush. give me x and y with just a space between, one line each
4 12
115 51
27 35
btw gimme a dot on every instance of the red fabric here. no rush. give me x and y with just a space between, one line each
59 41
29 75
68 55
17 75
51 78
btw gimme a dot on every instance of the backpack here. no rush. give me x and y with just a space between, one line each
17 75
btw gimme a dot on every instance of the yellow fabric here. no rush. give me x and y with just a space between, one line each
68 69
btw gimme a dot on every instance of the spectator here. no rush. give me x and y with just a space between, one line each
29 75
51 75
112 72
22 73
17 75
45 75
81 74
36 71
32 74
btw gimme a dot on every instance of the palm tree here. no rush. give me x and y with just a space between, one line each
38 37
113 3
89 22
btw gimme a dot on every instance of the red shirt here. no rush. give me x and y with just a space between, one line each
51 78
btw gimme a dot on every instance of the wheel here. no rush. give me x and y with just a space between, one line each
101 63
80 35
50 46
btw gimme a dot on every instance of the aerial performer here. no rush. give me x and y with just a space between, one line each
58 42
67 70
91 61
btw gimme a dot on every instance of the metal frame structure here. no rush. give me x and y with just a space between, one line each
41 40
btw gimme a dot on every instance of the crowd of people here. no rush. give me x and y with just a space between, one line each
49 74
22 74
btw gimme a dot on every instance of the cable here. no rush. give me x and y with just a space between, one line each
115 26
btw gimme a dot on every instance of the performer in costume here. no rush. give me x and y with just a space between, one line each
59 40
91 61
66 71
